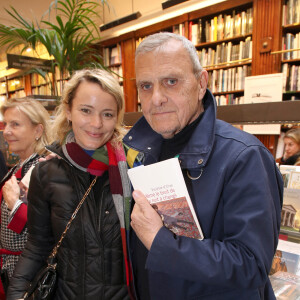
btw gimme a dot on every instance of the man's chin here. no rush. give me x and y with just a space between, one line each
166 134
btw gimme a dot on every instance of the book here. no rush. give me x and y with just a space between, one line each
285 261
286 286
163 185
285 270
290 215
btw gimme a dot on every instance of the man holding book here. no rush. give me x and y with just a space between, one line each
232 179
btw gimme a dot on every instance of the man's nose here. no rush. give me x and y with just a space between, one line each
158 96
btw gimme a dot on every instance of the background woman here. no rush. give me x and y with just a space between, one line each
91 262
291 147
26 131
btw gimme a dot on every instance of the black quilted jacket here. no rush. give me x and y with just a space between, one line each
90 259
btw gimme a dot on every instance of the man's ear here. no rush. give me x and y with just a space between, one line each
203 80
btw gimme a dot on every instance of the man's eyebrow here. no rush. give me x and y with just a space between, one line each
143 82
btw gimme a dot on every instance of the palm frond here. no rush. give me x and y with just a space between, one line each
69 40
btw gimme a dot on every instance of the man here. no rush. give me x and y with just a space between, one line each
233 181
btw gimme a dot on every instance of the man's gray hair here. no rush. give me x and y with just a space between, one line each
157 40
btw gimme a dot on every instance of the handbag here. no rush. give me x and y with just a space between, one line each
43 285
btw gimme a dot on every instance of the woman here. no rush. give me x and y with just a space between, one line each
291 147
26 131
91 262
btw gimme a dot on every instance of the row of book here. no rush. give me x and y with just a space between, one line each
60 85
2 87
291 41
291 12
37 79
112 56
177 29
226 52
221 27
15 84
291 77
227 80
60 76
229 99
44 89
18 94
117 72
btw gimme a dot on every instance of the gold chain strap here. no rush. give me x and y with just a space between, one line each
54 251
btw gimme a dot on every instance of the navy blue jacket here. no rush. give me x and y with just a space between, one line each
238 201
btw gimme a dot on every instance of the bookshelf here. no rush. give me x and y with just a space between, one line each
3 87
224 45
40 85
290 56
112 59
14 86
263 36
246 49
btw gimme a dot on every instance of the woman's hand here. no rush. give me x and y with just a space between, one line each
48 157
11 192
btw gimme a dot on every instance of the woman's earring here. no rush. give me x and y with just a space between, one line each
37 138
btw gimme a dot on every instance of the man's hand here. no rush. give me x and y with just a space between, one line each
11 192
145 221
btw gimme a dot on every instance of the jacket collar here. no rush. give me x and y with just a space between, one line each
195 154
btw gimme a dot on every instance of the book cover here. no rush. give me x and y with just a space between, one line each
286 286
163 185
285 271
285 261
290 215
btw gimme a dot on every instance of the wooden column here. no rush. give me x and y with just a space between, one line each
27 85
129 83
267 35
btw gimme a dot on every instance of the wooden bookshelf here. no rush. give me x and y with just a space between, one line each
266 36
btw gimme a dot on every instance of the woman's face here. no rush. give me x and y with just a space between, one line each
290 147
20 133
93 115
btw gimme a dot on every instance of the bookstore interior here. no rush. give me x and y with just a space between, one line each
251 50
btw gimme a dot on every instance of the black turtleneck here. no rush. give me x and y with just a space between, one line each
171 147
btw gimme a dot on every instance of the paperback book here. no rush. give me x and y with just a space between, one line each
286 286
285 271
290 215
163 185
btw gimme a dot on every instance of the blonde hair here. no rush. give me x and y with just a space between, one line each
107 83
293 134
37 114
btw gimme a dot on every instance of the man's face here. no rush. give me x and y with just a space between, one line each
170 93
